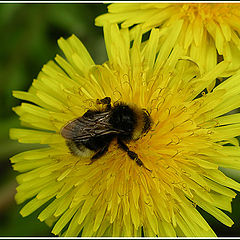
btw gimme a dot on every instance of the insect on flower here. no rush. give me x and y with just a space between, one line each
91 134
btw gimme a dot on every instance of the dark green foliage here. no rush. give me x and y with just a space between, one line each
29 34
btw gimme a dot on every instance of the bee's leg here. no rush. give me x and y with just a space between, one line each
131 154
99 154
105 101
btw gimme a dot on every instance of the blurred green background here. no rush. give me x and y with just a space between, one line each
29 33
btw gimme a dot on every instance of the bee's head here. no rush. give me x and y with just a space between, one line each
144 123
147 122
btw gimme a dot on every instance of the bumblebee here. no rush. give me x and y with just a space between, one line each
91 134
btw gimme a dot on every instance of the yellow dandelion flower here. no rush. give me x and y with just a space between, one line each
114 196
201 27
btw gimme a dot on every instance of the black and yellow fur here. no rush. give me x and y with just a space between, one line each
91 134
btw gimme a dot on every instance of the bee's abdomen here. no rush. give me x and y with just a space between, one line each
98 142
78 149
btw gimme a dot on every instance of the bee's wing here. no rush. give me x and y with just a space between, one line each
88 126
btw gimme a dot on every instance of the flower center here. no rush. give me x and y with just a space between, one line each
207 11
